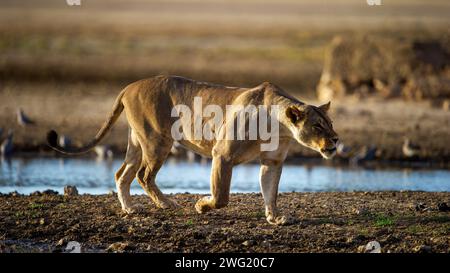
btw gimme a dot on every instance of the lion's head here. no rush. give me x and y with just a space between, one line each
311 127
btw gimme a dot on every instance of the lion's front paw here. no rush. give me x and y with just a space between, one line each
135 209
202 205
280 220
168 203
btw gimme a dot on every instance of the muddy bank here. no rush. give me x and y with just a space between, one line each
323 222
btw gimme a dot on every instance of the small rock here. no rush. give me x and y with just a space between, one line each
61 242
112 193
361 249
73 247
249 243
266 244
119 247
443 207
70 191
361 211
372 247
422 249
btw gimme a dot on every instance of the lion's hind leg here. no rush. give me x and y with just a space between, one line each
127 172
155 150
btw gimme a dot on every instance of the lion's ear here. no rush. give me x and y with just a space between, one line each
294 114
325 107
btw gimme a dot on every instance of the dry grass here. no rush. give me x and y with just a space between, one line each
235 43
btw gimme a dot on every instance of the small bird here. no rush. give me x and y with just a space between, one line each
193 157
22 119
410 149
103 152
176 149
343 150
64 141
190 155
365 153
6 147
204 160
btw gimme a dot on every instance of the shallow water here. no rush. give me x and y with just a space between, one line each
97 177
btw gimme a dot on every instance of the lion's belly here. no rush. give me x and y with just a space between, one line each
201 147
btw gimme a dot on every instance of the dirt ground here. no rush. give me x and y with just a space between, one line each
323 222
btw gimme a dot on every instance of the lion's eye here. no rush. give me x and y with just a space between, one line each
317 127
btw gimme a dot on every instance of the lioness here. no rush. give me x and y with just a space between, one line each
148 104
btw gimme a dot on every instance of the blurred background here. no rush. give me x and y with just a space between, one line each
385 68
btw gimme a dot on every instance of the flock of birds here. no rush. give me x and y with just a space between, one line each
356 156
104 152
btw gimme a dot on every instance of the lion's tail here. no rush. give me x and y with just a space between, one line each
52 136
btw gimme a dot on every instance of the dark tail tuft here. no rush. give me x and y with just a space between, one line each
52 138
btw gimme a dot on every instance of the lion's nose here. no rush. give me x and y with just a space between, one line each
335 140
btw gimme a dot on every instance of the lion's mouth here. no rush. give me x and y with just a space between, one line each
328 152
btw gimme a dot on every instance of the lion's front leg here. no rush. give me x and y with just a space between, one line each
269 178
220 186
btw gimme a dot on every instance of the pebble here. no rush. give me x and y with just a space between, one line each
422 249
119 247
61 242
266 244
73 247
361 211
249 243
372 247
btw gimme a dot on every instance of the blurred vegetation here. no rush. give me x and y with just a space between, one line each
234 43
